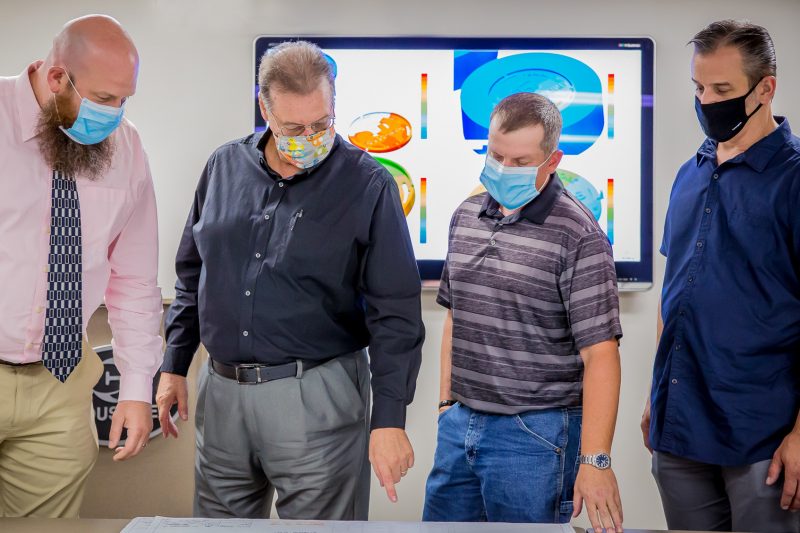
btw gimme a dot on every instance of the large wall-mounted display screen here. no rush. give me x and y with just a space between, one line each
421 107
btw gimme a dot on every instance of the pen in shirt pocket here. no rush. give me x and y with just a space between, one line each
296 216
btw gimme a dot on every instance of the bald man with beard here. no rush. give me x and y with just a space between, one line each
77 227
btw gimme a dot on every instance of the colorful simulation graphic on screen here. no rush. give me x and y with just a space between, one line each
423 113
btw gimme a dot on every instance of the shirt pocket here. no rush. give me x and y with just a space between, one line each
102 210
316 250
742 217
756 237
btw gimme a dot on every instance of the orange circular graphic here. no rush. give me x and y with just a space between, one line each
380 132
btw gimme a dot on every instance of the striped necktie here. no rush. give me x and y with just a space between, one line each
63 326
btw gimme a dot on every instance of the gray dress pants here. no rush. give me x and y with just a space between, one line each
703 497
306 438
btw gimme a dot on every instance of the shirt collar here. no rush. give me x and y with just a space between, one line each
537 210
758 155
27 107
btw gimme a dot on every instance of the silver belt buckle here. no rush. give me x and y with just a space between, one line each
248 366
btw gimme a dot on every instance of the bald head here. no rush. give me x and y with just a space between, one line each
92 39
100 58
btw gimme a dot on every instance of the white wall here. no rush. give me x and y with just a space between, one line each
194 94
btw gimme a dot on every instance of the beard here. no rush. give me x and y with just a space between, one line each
65 155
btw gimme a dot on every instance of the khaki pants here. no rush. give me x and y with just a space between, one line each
48 440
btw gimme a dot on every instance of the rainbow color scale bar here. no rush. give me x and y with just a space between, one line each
610 106
423 130
423 210
610 212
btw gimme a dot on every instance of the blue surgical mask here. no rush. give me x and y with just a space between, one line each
95 122
512 187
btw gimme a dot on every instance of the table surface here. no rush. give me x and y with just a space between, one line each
47 525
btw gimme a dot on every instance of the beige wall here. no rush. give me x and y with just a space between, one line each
195 93
160 480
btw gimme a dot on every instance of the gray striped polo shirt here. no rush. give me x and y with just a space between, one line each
527 292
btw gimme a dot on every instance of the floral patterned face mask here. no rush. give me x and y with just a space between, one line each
306 151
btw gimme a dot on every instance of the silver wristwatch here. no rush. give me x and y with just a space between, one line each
601 461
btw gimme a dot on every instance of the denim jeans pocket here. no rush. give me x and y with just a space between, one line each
446 411
567 508
571 464
547 428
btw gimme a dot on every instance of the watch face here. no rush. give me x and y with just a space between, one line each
602 461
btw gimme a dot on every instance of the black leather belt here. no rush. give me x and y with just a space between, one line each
9 363
253 374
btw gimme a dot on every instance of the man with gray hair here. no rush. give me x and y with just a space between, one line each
530 343
295 257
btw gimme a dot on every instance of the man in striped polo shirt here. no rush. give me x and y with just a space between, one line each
530 341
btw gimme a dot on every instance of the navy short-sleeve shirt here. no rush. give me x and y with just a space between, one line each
727 370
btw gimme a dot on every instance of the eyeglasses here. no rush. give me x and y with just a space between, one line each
294 130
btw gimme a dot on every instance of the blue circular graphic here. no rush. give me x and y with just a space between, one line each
583 190
333 64
570 84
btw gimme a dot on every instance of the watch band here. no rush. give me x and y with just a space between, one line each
600 461
446 403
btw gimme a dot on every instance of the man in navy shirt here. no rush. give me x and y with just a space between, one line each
721 419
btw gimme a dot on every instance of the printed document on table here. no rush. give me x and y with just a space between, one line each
161 524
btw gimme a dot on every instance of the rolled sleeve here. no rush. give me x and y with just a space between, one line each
133 298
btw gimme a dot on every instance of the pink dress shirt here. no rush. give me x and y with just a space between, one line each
120 244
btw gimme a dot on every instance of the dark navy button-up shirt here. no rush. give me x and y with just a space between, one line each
272 270
726 382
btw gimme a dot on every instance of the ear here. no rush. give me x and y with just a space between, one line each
555 160
57 79
262 107
766 89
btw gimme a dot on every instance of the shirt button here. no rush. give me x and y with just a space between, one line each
681 313
258 255
674 381
266 217
699 244
245 333
492 242
280 185
691 279
39 310
247 293
716 176
28 346
708 210
678 346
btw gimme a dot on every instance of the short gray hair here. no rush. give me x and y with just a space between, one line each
295 67
521 110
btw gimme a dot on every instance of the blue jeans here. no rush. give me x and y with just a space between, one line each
504 468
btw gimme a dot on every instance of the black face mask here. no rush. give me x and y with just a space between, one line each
722 121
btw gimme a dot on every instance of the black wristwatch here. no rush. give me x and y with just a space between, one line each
447 403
